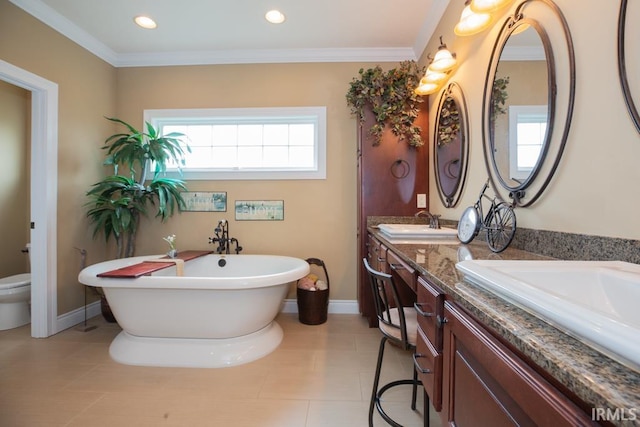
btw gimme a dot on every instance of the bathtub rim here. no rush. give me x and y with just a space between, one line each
88 276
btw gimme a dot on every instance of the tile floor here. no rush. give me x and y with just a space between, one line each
319 376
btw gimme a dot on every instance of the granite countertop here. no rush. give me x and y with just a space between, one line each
598 380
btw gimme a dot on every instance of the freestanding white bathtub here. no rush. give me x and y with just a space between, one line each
219 313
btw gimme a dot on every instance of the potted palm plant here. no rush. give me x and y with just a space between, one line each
118 202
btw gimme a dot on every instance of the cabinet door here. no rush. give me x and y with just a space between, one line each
485 384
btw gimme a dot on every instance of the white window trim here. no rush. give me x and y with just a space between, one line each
319 114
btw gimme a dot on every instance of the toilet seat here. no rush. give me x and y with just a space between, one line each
15 281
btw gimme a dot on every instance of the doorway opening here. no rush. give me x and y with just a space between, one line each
44 184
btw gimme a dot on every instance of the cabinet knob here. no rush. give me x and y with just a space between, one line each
418 307
441 321
396 266
419 368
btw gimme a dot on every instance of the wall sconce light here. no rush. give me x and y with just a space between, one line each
427 88
488 6
444 60
471 22
438 71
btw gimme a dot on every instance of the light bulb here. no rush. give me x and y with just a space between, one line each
145 22
471 23
274 16
488 6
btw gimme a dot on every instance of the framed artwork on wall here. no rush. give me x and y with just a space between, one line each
205 201
259 210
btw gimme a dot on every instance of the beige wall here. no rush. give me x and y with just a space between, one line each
320 215
595 188
15 103
87 89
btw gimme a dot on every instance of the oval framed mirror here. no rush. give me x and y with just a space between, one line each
629 65
528 101
451 144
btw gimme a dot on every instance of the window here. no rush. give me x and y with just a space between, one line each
527 133
248 143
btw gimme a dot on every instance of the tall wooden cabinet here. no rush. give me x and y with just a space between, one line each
390 176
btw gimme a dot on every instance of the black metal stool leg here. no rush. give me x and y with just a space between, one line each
414 394
376 380
425 396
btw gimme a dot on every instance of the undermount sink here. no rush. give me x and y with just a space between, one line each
418 234
594 301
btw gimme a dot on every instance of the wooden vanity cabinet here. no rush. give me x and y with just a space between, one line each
485 384
428 354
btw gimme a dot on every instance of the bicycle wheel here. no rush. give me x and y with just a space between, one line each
469 224
501 227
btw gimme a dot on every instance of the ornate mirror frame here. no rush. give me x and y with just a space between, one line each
622 66
550 24
451 144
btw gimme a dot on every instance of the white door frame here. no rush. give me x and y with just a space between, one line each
44 193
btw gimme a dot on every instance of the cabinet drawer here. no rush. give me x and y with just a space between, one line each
403 270
428 363
376 254
430 307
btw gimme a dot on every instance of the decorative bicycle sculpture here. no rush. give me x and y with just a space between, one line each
499 222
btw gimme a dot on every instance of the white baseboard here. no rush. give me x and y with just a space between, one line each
75 317
335 306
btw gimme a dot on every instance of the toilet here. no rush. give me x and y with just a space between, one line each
15 297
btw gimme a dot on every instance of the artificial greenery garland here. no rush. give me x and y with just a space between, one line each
392 99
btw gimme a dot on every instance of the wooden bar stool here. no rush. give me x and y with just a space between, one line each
399 325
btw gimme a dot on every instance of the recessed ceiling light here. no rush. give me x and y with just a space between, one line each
274 16
145 22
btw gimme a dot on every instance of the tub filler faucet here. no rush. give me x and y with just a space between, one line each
434 221
223 240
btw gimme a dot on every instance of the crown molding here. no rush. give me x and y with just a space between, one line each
53 19
265 56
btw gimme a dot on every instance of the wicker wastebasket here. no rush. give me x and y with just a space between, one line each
313 305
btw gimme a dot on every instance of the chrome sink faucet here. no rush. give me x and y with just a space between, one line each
434 221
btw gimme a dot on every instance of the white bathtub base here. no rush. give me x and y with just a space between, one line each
193 352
